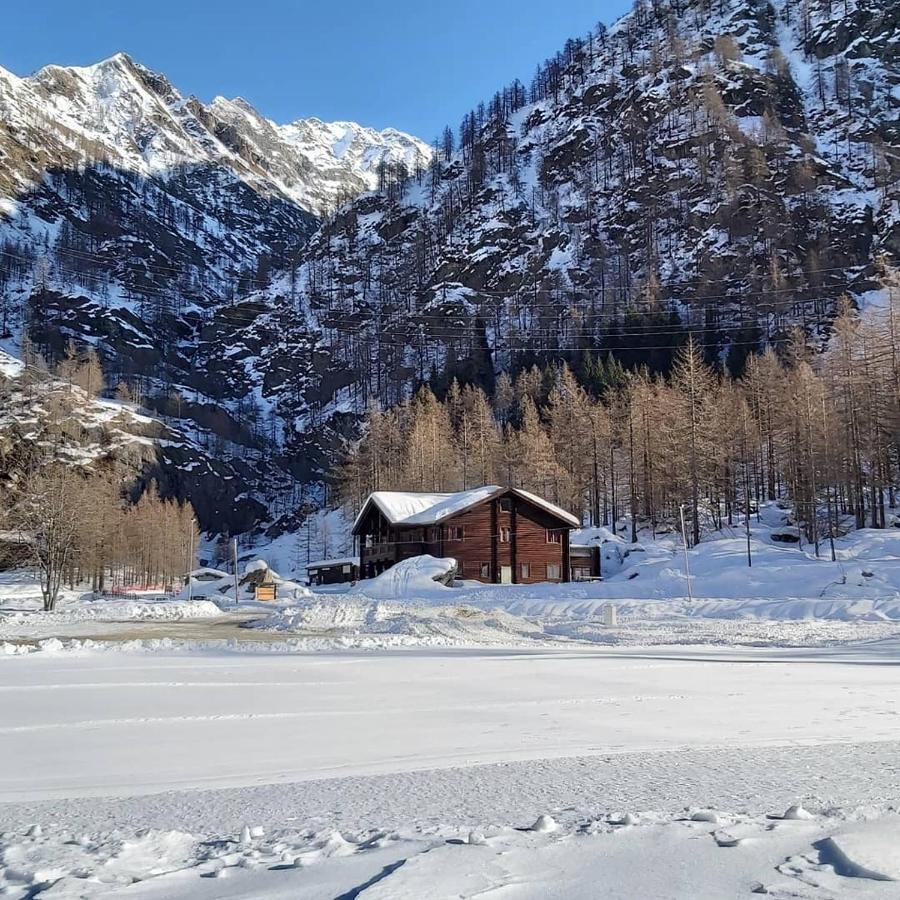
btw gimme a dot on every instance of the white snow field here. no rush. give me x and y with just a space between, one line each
258 772
404 739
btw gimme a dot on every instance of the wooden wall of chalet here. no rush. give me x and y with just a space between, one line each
482 545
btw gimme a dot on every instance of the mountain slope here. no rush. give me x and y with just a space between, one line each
729 168
732 163
726 168
133 119
134 219
320 165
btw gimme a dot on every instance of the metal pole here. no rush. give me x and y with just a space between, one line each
749 556
687 565
747 512
191 562
235 561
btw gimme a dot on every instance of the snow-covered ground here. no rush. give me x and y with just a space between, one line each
787 598
77 614
420 773
465 741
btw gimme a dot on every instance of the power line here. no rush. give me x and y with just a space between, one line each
575 348
349 324
540 332
434 289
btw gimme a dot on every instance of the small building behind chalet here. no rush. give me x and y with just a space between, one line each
332 571
497 535
585 562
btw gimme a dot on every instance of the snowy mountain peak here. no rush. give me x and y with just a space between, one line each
354 149
133 118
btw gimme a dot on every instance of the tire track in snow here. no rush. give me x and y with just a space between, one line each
335 713
93 685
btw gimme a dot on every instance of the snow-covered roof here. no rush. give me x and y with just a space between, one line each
549 507
207 572
410 508
328 563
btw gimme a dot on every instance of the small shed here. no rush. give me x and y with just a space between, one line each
585 560
333 571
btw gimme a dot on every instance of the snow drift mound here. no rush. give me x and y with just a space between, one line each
358 621
869 850
23 623
421 577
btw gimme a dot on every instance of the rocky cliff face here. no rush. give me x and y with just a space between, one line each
725 168
137 220
733 163
728 168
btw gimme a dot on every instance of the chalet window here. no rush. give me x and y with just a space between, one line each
456 533
370 541
505 534
485 570
525 570
552 572
554 537
433 535
506 504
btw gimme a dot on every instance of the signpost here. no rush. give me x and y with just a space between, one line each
266 593
687 564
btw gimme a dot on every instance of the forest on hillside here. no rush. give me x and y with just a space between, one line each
821 432
719 172
73 500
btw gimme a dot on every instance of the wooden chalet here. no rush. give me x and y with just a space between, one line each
497 535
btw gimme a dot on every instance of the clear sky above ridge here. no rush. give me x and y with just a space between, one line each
411 65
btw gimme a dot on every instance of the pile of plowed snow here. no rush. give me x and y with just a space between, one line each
34 623
218 586
347 620
408 605
418 578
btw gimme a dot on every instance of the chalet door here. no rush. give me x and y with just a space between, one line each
505 574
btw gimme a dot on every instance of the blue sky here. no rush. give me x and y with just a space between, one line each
411 65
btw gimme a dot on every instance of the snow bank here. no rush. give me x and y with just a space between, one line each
257 565
647 580
27 623
324 858
353 621
870 850
218 587
418 578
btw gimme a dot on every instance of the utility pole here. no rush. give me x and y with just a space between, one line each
746 487
747 513
234 560
828 476
687 565
190 561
